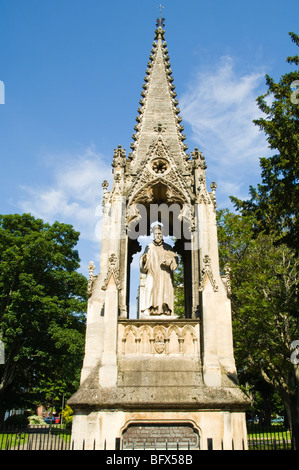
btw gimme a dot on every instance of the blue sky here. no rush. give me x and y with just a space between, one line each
73 72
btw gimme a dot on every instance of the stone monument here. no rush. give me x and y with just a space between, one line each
159 376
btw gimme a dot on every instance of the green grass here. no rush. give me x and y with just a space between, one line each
57 437
8 441
268 438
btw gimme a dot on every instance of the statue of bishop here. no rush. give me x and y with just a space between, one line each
158 263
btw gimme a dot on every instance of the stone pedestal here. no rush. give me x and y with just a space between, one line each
159 383
151 430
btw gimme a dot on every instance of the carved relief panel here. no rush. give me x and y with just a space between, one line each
154 338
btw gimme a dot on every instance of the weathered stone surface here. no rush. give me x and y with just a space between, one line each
158 383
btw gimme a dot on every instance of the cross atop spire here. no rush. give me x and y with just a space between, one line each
160 20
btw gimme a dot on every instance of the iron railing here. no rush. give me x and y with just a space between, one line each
271 437
35 438
57 437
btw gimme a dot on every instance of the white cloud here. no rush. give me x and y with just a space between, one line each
73 195
220 106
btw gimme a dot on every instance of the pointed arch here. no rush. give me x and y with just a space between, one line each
130 329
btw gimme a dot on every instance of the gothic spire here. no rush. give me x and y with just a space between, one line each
158 114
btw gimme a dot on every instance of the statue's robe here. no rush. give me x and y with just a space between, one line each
159 297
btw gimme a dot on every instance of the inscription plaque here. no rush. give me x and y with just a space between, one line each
160 436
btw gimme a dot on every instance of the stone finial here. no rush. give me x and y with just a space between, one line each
119 157
159 33
213 187
198 159
112 270
91 268
206 272
105 185
227 271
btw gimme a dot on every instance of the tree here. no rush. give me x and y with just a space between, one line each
264 280
179 295
275 202
274 206
42 305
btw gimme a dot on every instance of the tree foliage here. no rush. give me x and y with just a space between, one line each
264 281
42 305
275 201
179 295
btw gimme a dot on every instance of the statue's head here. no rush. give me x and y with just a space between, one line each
157 233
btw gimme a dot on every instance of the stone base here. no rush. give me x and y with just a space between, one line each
149 430
164 393
157 387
